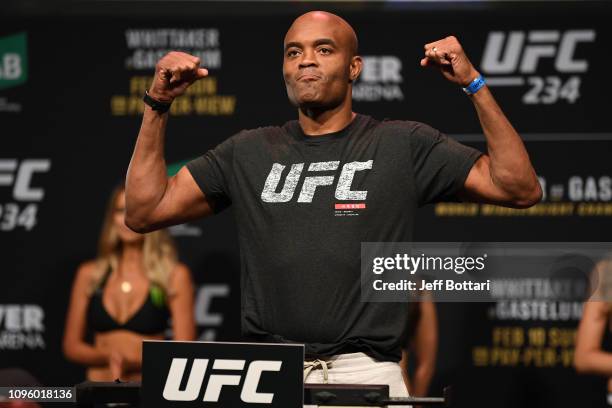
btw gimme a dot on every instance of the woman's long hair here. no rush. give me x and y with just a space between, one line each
159 251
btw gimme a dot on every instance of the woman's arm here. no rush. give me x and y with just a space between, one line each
425 348
589 358
181 304
404 366
74 346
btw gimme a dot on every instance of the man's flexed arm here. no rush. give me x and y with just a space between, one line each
152 199
505 176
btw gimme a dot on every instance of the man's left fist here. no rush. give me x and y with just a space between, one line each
448 55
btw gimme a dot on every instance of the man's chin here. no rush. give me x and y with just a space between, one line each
309 102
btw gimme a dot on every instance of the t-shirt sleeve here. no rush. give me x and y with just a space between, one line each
213 172
441 164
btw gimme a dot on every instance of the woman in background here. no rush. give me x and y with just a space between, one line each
124 296
422 345
593 354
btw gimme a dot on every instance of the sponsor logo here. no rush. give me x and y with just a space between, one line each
22 327
13 67
515 59
379 80
18 177
13 60
310 183
173 392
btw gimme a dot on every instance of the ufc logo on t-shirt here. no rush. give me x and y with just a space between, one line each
310 184
249 394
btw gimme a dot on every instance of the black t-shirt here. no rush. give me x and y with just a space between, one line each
303 205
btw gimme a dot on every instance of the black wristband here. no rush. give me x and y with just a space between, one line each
156 105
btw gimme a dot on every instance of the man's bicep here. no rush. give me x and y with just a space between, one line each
183 201
479 186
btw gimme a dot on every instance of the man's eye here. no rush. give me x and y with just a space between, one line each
325 50
292 53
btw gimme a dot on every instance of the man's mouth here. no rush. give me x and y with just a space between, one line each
308 77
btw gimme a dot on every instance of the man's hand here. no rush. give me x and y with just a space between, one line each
448 55
174 73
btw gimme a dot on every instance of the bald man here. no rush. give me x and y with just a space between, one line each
307 193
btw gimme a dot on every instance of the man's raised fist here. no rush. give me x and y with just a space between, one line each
174 73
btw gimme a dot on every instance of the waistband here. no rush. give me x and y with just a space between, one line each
353 361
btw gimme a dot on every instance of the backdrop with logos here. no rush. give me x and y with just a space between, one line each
70 106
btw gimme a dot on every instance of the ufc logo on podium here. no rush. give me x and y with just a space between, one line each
217 381
215 374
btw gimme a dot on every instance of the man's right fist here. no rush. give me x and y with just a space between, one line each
173 75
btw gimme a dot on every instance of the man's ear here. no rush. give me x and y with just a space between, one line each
355 68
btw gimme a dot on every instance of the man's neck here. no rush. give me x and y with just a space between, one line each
316 123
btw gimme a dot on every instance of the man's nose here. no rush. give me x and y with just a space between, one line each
308 59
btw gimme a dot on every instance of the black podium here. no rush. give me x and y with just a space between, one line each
237 375
90 393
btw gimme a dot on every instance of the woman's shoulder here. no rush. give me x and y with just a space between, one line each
180 267
87 268
180 272
87 272
180 277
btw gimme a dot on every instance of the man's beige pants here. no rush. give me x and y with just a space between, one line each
355 368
